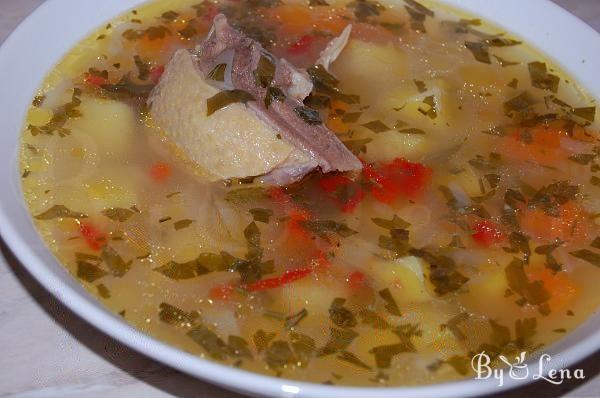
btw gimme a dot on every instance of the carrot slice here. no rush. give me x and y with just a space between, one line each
561 288
572 224
160 172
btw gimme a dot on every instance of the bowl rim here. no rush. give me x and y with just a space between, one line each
222 375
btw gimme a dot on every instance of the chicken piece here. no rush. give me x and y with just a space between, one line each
232 142
276 141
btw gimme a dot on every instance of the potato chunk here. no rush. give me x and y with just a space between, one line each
110 125
367 68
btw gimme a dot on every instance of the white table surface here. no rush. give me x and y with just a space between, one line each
47 351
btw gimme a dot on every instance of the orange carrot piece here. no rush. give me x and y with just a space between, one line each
571 225
561 288
160 172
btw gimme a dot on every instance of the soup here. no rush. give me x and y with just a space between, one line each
374 194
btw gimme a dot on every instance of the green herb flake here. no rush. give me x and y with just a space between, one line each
252 235
279 354
118 214
540 77
525 329
364 9
340 315
411 131
172 315
596 243
59 211
189 31
127 89
397 241
373 319
479 51
357 146
583 158
587 256
89 272
225 98
38 100
182 224
514 83
442 272
265 71
114 261
157 32
239 347
262 339
169 16
339 339
385 353
587 113
519 243
273 94
316 3
308 115
261 215
376 126
294 319
454 323
246 195
203 264
351 117
500 335
214 346
518 105
103 291
431 112
217 73
322 227
395 223
353 360
142 67
61 115
504 62
421 86
390 303
532 292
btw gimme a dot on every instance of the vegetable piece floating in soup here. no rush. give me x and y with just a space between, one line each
355 193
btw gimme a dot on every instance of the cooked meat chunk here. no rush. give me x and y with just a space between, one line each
271 135
230 143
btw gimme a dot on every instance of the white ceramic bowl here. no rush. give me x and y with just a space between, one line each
36 45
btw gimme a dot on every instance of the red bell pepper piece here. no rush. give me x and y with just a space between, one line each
487 233
319 262
94 80
286 278
356 280
302 46
93 237
345 192
398 179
